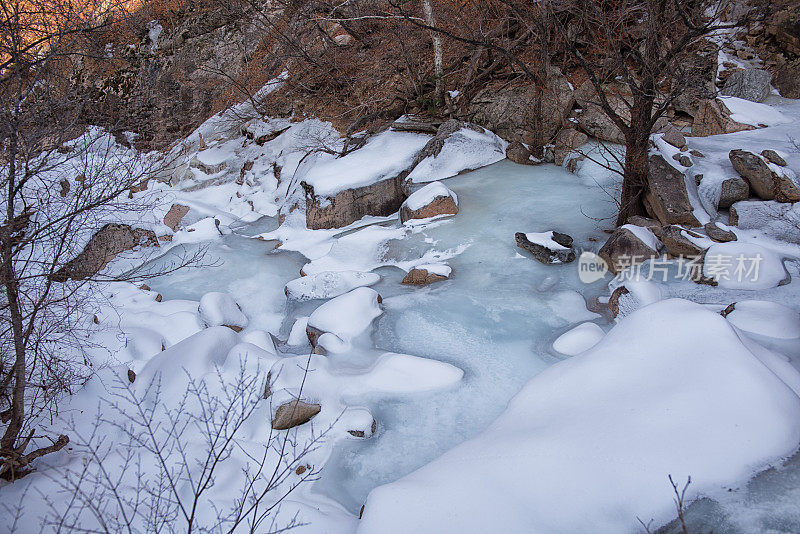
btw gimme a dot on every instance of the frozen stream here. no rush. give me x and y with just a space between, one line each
496 319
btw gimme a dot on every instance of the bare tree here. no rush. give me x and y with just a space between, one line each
59 183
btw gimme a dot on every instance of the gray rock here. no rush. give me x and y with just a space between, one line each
380 199
683 159
517 153
566 142
545 254
750 84
718 234
764 182
623 249
733 190
666 198
674 137
774 157
678 245
294 413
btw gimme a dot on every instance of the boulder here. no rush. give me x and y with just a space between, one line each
646 222
749 84
733 190
718 234
219 309
683 159
294 413
433 200
773 157
666 198
673 136
518 153
547 247
422 275
787 78
713 118
380 199
628 247
678 245
783 26
566 142
104 246
767 182
511 112
175 215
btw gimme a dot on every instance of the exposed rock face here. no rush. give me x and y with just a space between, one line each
175 215
103 247
764 182
713 118
208 168
673 136
733 190
783 26
547 247
431 201
294 413
511 112
666 198
566 142
678 245
381 199
421 277
624 249
787 79
718 234
619 294
517 153
645 222
773 157
750 84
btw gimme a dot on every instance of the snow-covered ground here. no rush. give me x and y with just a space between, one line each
504 398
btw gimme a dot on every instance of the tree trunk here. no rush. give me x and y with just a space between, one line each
634 181
438 69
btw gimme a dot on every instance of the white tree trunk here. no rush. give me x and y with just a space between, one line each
438 70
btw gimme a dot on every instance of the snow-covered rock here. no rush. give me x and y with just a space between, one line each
765 318
578 339
587 445
547 247
666 197
219 309
347 316
465 149
628 246
767 180
329 284
422 275
775 219
748 84
737 265
432 200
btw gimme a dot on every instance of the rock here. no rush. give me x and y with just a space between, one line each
773 157
674 137
625 249
131 376
787 79
594 121
64 183
713 118
697 153
423 275
718 234
328 284
175 215
750 84
433 200
645 222
565 143
547 247
511 112
380 199
783 26
678 245
683 159
294 413
733 190
104 246
433 147
765 182
517 153
666 198
618 294
209 166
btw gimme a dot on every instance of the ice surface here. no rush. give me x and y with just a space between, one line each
530 471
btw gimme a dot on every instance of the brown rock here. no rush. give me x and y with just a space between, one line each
718 234
646 222
773 157
294 413
733 190
714 118
441 205
787 78
175 215
623 249
678 245
131 376
565 144
674 137
613 301
764 182
666 198
517 153
381 199
421 277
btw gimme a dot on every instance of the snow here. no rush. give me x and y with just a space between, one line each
571 306
578 339
753 113
297 335
645 235
402 373
347 315
545 239
219 309
427 194
738 265
766 318
532 471
384 156
328 284
463 150
441 269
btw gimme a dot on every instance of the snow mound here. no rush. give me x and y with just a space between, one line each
737 265
219 309
348 315
464 150
328 284
419 199
766 318
395 373
587 445
579 339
